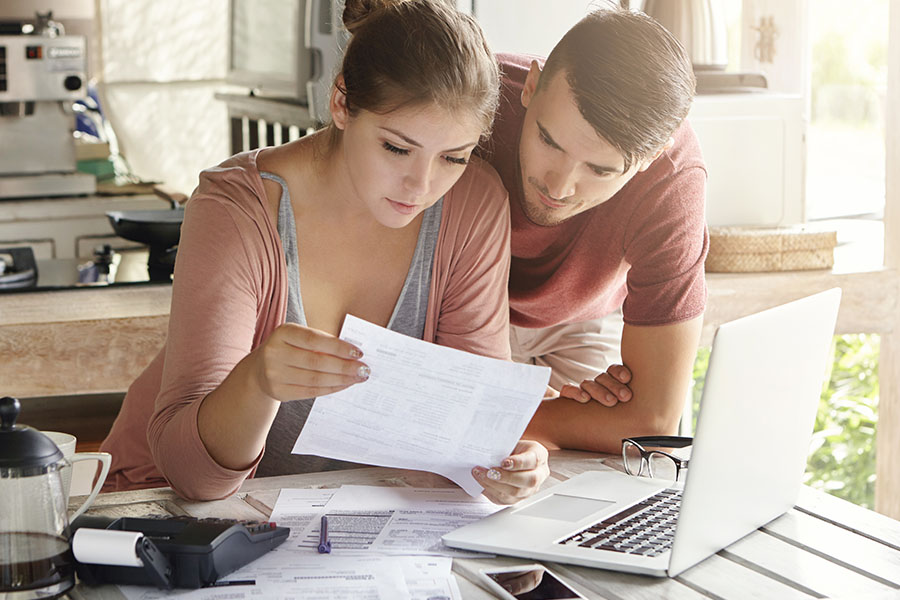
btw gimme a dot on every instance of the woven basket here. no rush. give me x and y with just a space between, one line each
751 250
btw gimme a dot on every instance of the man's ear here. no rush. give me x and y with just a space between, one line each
337 104
645 164
531 83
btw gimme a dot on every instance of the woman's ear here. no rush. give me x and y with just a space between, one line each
338 104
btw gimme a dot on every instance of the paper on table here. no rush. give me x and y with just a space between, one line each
430 578
391 520
297 508
371 577
320 577
281 573
424 407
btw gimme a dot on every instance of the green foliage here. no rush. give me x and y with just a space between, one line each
701 364
842 456
842 461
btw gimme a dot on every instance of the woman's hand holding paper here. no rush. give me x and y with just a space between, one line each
299 362
519 475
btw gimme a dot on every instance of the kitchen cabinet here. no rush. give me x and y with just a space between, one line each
754 148
67 227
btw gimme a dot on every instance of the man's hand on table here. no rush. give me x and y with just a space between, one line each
608 388
519 475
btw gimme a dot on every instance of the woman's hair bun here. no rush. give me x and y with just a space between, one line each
357 11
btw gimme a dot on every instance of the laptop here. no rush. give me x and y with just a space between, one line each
760 398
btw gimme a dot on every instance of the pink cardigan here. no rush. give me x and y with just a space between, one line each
230 293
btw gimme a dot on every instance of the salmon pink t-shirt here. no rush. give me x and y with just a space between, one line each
642 250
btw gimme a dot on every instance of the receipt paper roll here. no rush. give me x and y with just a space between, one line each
107 547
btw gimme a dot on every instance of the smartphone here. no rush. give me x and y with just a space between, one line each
527 582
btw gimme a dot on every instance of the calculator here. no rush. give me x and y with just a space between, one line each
182 552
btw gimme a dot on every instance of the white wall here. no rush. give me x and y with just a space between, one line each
161 63
528 26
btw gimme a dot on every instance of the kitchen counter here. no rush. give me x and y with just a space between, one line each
91 340
98 340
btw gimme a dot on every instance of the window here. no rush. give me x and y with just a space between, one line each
848 85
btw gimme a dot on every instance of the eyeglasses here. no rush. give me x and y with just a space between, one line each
654 463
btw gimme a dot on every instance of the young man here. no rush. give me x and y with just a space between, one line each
607 190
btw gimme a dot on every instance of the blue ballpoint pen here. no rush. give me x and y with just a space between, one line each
324 543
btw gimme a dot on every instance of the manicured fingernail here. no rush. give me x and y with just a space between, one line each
611 398
363 372
355 353
493 474
623 393
507 463
585 396
477 472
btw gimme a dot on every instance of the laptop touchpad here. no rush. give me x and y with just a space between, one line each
564 508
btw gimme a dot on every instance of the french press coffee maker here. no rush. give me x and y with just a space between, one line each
35 555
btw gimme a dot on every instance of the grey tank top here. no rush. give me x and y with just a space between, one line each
407 318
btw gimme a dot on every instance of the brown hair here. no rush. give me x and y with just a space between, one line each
415 52
632 80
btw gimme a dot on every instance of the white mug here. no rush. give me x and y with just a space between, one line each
66 443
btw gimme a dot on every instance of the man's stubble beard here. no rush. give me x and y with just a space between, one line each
536 212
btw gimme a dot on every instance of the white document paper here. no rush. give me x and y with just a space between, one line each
319 577
297 508
292 571
328 578
393 520
430 578
424 407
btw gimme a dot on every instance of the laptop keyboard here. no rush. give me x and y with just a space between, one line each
647 528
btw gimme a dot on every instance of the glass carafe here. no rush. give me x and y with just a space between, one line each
35 555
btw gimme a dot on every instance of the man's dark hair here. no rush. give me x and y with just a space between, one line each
631 78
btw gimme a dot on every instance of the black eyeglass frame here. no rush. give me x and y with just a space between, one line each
659 441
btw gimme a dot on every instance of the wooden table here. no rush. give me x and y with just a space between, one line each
824 547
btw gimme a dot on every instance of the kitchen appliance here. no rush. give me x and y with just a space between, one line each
35 556
287 49
700 27
18 269
41 75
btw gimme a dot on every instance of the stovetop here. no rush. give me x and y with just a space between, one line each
126 268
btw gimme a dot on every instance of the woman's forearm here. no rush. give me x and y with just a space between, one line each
234 419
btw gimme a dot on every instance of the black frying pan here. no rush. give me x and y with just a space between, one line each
156 228
159 229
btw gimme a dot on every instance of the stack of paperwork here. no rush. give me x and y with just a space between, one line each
386 545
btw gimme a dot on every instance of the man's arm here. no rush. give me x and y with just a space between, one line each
661 360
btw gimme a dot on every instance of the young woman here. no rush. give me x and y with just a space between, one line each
384 214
